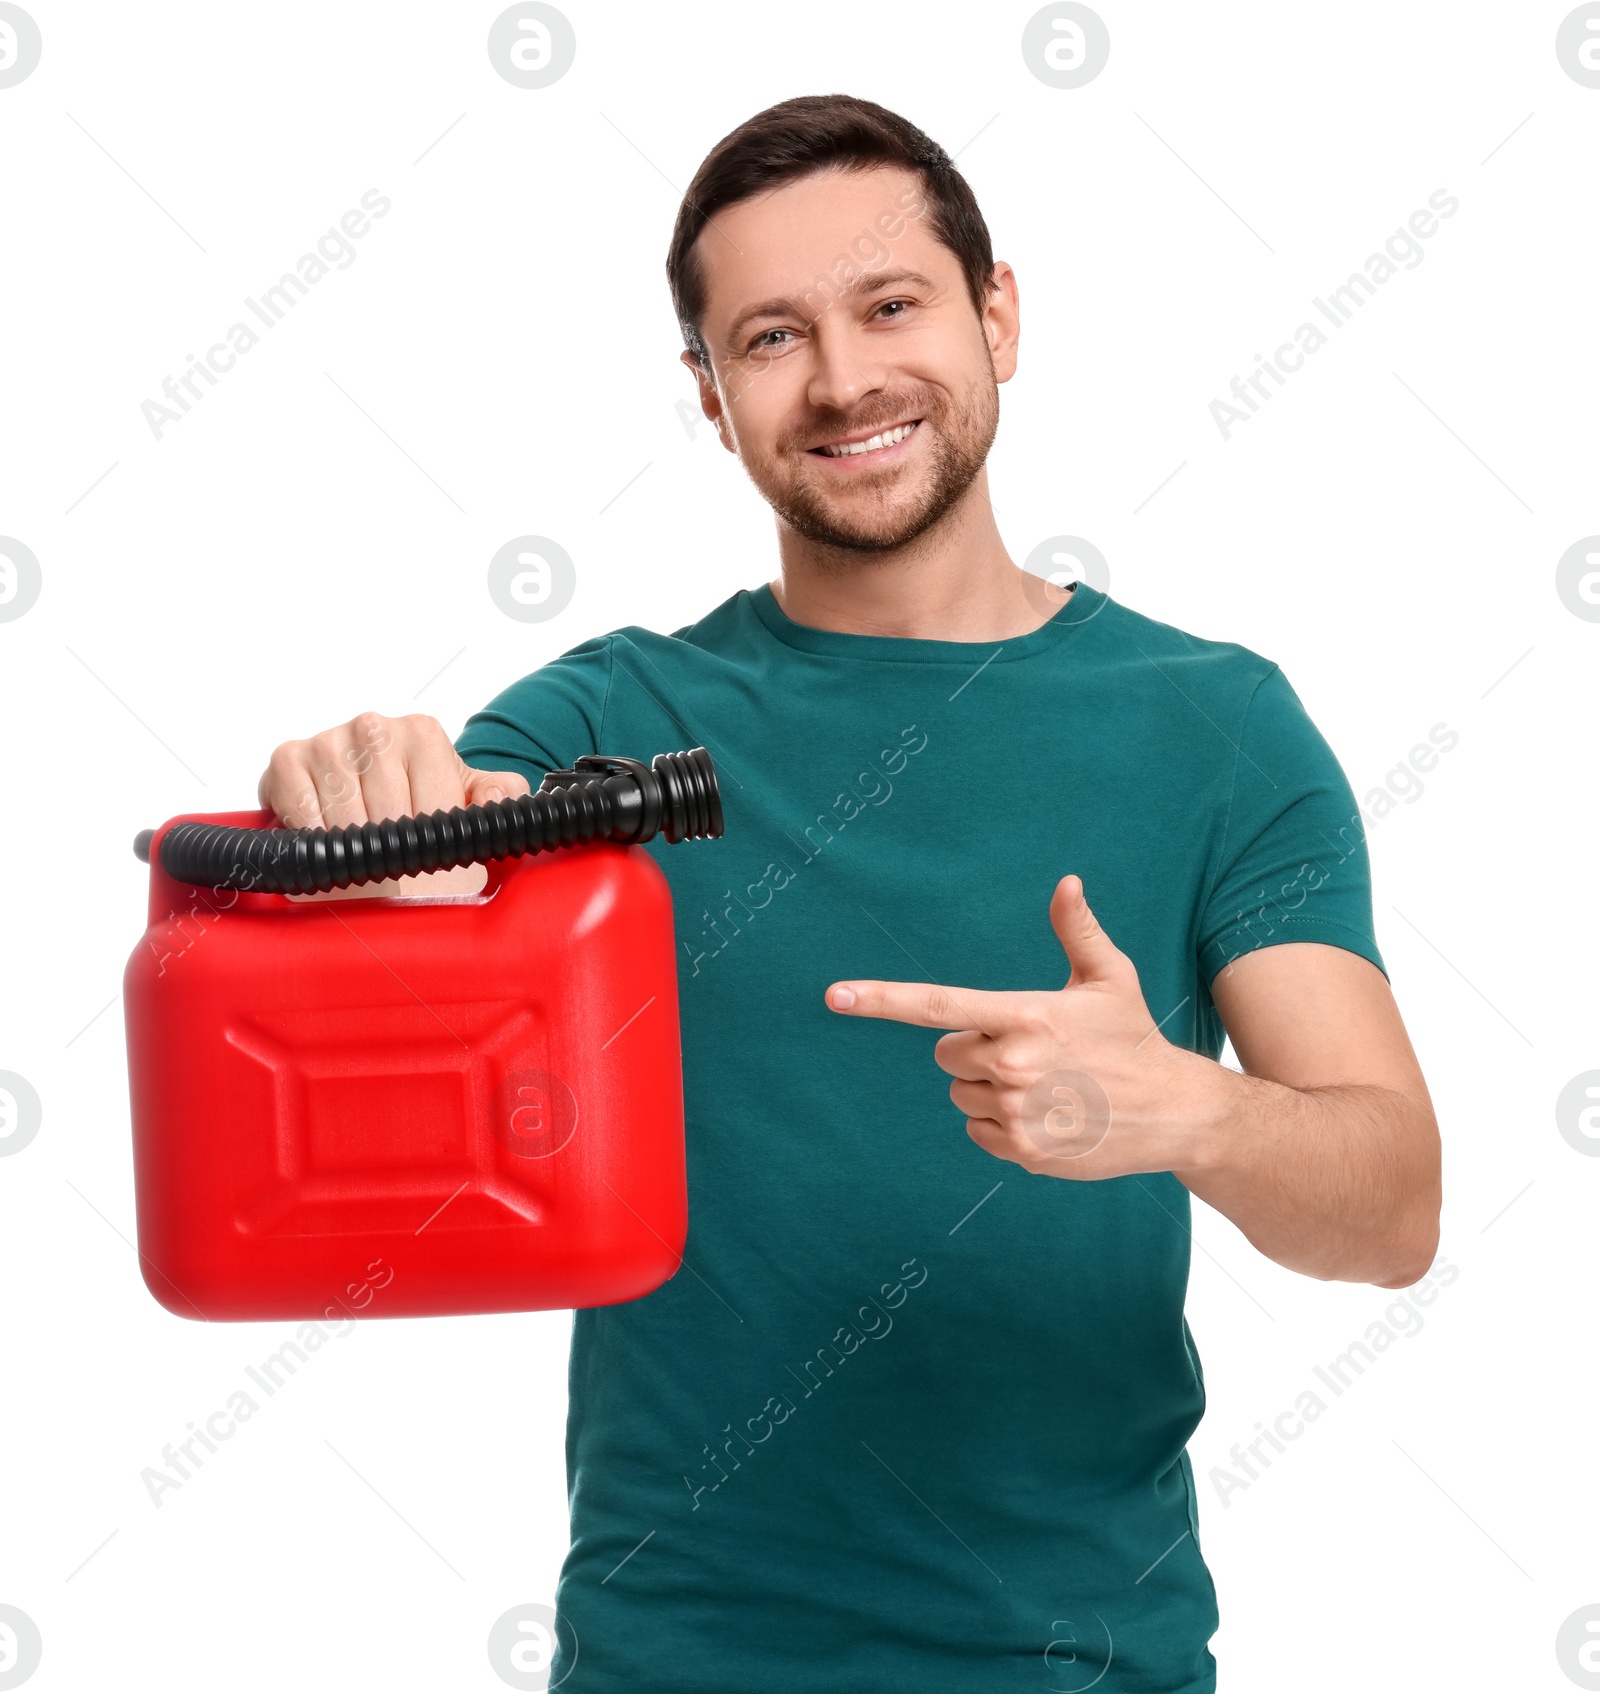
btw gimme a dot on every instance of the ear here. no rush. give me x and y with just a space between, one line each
710 400
1002 321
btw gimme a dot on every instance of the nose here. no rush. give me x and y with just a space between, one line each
845 367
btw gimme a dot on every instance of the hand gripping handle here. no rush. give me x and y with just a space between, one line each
602 798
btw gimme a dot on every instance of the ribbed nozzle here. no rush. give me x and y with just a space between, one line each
602 798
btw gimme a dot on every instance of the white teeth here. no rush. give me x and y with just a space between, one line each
887 439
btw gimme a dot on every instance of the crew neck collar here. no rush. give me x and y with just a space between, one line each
842 644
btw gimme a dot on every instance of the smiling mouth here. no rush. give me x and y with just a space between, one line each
872 445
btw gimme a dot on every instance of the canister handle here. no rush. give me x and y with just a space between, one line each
603 798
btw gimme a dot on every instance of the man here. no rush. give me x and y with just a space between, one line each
912 1415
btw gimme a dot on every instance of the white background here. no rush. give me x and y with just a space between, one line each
501 359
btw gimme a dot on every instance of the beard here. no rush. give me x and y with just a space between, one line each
885 510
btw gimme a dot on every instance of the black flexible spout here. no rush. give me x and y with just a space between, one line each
601 799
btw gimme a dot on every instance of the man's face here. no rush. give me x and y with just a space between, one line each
832 316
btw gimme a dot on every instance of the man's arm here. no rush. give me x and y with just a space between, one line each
1326 1155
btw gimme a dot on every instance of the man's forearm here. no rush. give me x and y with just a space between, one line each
1340 1183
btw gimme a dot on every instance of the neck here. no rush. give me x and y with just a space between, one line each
955 582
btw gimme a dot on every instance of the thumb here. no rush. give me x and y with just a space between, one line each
1093 955
481 786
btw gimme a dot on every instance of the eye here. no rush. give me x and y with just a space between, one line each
902 303
761 340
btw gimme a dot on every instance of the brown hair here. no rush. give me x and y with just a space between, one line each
797 138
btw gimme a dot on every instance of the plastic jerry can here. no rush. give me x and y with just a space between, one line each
402 1107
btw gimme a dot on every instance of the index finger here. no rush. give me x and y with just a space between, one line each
931 1004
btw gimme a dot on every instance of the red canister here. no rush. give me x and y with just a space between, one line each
413 1106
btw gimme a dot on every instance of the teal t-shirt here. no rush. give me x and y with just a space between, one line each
910 1419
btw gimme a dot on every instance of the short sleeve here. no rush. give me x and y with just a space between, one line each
1293 864
548 719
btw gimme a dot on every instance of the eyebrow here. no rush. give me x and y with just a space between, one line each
869 282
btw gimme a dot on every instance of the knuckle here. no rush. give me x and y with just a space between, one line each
1012 1061
283 759
366 726
1012 1139
1012 1070
284 789
1021 1106
370 736
422 728
1039 1020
